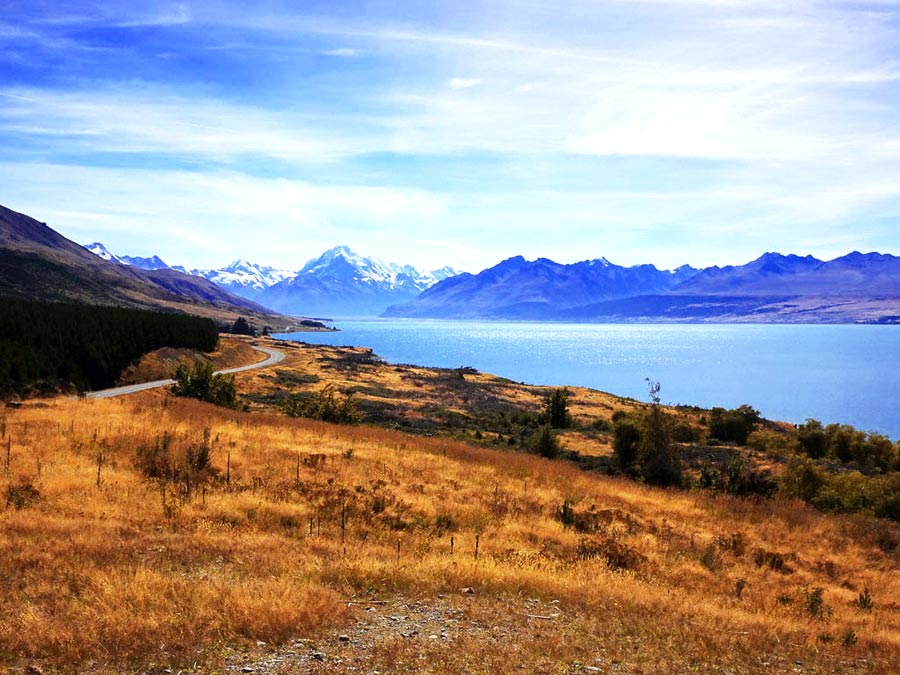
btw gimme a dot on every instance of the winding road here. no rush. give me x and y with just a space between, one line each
275 356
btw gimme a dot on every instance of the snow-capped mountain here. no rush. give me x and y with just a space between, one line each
151 263
245 278
241 277
100 250
337 283
343 283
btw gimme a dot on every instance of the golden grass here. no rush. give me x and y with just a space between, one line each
137 571
160 364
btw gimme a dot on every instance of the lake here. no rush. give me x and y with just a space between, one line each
848 374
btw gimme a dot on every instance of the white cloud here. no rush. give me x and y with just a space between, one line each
463 82
344 52
207 219
148 120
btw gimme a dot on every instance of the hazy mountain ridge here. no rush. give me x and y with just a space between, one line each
855 274
516 289
774 288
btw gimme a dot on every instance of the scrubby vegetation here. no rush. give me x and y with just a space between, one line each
326 405
51 346
198 381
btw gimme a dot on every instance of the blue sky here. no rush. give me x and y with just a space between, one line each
456 133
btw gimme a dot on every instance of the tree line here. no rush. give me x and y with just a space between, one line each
51 346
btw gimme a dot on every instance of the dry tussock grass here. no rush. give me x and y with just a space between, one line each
166 569
160 364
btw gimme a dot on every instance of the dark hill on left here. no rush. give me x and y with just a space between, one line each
38 263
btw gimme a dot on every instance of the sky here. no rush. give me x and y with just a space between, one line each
453 132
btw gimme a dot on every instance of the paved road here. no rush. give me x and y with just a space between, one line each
275 356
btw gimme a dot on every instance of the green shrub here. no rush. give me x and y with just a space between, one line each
325 405
710 478
22 494
556 410
627 436
544 442
658 457
684 432
199 382
864 601
814 602
803 479
813 439
769 441
733 426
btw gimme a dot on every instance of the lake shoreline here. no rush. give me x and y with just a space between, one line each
788 372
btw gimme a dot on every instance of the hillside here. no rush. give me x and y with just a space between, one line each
38 263
305 546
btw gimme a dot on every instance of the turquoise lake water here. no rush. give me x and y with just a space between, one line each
848 374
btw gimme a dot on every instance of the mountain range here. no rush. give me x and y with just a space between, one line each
518 289
38 263
337 283
774 288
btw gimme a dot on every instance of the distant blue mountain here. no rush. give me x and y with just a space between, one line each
856 287
856 275
519 289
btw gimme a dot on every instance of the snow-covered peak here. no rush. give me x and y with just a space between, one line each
343 264
101 251
241 265
151 263
246 275
444 273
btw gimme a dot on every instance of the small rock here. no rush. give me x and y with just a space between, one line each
344 638
32 669
247 669
318 656
468 590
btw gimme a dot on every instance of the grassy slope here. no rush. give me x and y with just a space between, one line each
134 571
160 364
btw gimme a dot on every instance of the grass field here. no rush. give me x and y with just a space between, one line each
148 532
